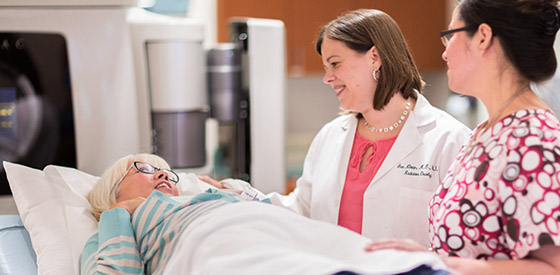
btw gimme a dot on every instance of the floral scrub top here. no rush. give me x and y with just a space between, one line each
501 196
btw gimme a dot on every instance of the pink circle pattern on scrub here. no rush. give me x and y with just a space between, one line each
505 198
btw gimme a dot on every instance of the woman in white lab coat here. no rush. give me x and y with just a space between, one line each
374 168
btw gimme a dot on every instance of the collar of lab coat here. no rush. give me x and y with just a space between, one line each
421 115
407 141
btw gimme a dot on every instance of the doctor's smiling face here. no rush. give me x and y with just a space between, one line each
349 73
141 178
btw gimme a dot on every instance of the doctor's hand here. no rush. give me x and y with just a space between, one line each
129 205
398 244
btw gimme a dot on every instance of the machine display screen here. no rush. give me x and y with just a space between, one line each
36 111
8 122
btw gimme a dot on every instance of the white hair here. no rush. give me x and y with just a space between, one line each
104 193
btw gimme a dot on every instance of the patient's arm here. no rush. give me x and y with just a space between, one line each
218 184
211 181
113 249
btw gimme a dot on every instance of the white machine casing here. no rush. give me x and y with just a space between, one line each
111 42
101 71
266 74
170 74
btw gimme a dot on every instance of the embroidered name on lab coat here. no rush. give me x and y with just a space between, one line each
422 170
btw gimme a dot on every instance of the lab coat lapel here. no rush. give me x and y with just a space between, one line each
409 138
344 142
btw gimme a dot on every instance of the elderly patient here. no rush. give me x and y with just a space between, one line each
146 228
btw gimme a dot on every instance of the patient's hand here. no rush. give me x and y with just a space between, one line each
211 181
129 205
217 184
398 244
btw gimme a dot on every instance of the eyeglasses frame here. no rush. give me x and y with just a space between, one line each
444 34
118 183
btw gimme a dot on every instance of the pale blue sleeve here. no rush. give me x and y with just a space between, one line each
113 249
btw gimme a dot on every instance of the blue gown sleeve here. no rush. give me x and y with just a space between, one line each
113 249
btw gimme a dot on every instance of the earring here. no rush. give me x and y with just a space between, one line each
375 74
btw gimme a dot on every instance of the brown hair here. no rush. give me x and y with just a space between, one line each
526 29
361 29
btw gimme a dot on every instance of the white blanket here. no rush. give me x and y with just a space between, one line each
258 238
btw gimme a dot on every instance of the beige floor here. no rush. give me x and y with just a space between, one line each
7 205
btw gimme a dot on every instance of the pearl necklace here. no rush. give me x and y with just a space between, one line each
392 127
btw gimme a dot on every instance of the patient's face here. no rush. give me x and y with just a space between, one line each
138 184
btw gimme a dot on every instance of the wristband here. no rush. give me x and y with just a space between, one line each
248 193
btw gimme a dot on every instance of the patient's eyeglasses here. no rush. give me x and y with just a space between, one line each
147 168
446 35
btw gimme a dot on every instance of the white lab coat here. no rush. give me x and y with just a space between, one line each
396 201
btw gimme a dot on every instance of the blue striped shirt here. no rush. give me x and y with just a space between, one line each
143 243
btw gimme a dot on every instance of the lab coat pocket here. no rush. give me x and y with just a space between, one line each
420 184
413 214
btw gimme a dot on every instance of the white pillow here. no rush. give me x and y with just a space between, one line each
55 211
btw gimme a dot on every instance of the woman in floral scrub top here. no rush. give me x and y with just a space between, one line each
498 209
503 200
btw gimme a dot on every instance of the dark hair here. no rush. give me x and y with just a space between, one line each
526 30
361 29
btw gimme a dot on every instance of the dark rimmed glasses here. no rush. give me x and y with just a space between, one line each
446 35
147 168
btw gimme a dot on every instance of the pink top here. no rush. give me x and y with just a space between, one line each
501 196
351 202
